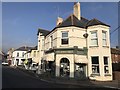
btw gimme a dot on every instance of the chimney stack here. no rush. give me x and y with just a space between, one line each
59 20
76 10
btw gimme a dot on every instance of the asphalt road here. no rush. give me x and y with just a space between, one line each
14 78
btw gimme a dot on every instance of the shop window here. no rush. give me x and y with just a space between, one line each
106 69
95 65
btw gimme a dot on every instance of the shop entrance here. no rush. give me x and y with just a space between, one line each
80 70
64 67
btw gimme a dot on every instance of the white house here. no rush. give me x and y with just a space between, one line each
76 48
18 55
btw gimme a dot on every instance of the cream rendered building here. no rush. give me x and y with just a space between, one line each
76 48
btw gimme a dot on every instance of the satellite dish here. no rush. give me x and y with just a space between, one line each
85 35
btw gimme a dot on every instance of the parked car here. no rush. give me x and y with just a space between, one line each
5 63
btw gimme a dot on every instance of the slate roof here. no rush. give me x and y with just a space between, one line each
115 51
73 21
24 48
96 22
43 31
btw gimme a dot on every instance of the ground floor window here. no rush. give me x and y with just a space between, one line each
106 69
95 65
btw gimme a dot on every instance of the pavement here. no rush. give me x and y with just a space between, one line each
115 84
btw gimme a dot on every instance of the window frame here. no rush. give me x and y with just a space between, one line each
17 54
106 65
64 38
95 66
94 38
104 39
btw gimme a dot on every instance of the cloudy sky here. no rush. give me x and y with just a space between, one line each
21 20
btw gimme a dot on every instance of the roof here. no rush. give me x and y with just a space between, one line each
96 22
72 20
115 51
43 31
24 48
34 48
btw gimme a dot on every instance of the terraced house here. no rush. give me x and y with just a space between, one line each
76 48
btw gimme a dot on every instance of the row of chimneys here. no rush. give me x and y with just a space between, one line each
76 12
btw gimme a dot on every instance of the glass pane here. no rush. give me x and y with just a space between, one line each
104 42
64 34
106 69
104 35
106 60
95 60
64 41
93 35
94 42
95 69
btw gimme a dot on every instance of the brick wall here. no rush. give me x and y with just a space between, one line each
116 75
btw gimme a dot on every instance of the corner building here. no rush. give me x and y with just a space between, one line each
76 48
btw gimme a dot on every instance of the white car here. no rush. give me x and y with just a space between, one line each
5 63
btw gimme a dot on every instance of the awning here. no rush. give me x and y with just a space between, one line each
81 59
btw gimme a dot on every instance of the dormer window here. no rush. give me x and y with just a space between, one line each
64 39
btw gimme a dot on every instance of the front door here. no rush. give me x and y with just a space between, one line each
64 67
80 71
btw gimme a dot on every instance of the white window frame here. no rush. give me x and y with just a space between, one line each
51 37
43 43
106 65
93 38
22 54
104 38
17 54
64 37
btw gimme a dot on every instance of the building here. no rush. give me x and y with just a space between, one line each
115 55
18 55
32 56
76 48
9 55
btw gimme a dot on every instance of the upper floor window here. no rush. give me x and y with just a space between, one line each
43 44
22 54
64 39
51 41
95 65
34 53
104 38
106 69
17 54
94 38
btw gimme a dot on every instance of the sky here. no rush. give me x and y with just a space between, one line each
21 20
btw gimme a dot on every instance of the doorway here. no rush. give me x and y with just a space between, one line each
64 67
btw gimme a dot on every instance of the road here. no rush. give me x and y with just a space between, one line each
14 78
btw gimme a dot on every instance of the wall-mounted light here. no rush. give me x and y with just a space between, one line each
85 35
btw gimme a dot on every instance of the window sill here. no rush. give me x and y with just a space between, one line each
106 46
93 46
93 75
107 75
64 45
